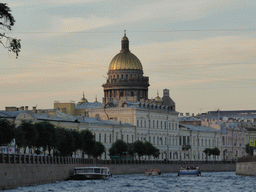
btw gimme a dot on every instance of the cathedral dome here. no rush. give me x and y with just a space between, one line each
125 59
157 98
83 100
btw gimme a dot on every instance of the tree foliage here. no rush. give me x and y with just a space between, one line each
47 135
89 142
66 144
140 148
118 148
30 134
99 150
211 151
249 149
7 133
7 21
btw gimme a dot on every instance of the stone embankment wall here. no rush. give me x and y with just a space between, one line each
246 168
15 175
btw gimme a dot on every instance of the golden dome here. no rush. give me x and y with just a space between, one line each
125 60
157 98
83 100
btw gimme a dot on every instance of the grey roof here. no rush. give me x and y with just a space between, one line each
94 105
9 114
188 118
200 128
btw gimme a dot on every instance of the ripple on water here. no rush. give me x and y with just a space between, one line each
222 181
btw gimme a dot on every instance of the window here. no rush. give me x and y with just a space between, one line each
161 124
145 124
157 140
105 138
153 123
153 140
137 123
172 126
127 139
149 138
205 142
157 124
109 138
132 138
202 142
99 137
169 126
223 140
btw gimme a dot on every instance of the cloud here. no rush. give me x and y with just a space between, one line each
77 24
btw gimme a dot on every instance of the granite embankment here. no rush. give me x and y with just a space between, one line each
246 166
21 171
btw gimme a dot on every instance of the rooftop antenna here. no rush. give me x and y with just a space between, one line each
124 32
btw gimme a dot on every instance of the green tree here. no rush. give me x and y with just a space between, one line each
20 138
78 137
249 149
139 148
89 142
6 22
215 151
156 153
30 134
7 132
150 149
47 136
99 150
66 144
118 148
207 152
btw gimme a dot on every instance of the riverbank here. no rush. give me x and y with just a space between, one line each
15 175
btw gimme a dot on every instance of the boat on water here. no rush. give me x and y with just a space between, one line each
84 173
189 171
153 172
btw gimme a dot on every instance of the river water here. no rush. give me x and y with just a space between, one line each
210 181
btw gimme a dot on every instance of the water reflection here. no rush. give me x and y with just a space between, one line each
217 181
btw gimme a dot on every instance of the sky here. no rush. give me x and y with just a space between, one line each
203 51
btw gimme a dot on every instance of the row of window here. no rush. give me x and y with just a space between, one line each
183 140
157 124
122 76
155 140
